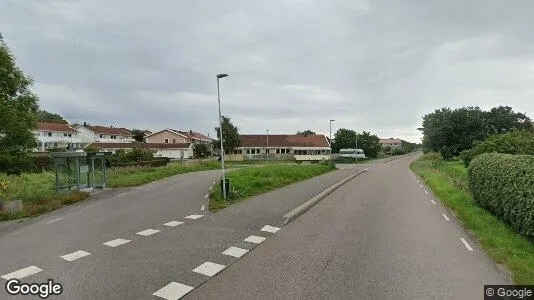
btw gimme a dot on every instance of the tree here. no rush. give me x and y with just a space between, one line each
44 116
503 119
18 112
201 150
344 139
230 136
369 143
138 135
306 132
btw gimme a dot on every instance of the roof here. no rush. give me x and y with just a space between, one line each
48 126
109 130
283 140
390 141
137 145
194 135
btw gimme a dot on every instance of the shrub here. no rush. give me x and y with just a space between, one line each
504 185
398 151
516 142
431 156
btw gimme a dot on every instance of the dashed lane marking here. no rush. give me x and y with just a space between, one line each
75 255
173 223
269 228
209 269
206 196
203 207
19 274
433 202
255 239
52 221
148 232
194 217
116 242
120 195
445 216
235 252
466 244
426 192
173 291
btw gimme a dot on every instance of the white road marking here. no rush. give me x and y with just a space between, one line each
445 216
206 197
173 223
209 268
235 252
148 232
120 195
202 208
22 273
466 244
255 239
194 217
269 228
139 187
173 291
116 242
433 202
211 187
420 185
213 182
75 255
426 192
52 221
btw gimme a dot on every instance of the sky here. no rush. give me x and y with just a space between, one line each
373 65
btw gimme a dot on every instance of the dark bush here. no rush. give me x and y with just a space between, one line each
504 185
398 151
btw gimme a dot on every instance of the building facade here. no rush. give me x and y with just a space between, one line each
392 143
57 135
173 151
101 134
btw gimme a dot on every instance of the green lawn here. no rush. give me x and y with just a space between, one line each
448 181
248 182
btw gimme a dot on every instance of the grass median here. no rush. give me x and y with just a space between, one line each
448 181
248 182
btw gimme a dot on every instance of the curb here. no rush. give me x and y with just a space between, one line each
299 210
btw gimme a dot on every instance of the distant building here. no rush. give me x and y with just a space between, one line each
57 135
392 143
102 134
172 136
174 151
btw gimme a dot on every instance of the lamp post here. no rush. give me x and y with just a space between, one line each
267 150
219 76
331 139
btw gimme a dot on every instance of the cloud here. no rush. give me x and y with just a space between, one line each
374 65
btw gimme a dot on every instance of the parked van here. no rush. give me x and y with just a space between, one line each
352 153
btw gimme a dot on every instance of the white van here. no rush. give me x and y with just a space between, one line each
352 153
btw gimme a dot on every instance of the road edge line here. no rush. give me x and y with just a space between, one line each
299 210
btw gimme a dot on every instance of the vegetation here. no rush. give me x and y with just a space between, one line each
347 139
44 116
248 182
453 131
306 132
18 112
201 150
449 182
138 135
230 136
504 185
515 142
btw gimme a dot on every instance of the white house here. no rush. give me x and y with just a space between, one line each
173 151
57 135
102 134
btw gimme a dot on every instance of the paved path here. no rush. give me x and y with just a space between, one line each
381 236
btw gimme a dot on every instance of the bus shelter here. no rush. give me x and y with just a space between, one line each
79 171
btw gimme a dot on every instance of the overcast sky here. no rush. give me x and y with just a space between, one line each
374 65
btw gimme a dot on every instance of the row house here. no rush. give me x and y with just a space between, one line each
57 135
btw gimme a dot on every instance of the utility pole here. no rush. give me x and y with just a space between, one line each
267 150
221 135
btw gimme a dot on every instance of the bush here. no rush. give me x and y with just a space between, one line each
504 185
398 151
516 142
431 156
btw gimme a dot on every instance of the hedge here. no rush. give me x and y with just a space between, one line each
504 185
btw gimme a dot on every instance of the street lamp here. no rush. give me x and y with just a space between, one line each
267 150
219 76
331 138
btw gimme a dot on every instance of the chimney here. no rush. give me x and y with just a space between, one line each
84 124
111 126
190 132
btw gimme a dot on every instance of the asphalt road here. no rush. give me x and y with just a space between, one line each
132 243
381 236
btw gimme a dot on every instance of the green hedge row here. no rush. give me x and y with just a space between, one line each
504 185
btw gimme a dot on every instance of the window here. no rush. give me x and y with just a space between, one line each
288 151
247 151
113 137
49 133
166 141
70 134
174 141
267 151
252 151
65 134
277 151
101 136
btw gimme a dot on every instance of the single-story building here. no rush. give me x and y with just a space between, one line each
392 143
283 147
173 151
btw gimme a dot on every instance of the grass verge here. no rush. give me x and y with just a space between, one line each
448 181
134 176
248 182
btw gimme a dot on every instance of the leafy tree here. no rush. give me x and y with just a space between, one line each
306 132
201 150
503 119
138 135
44 116
370 144
18 112
230 136
344 139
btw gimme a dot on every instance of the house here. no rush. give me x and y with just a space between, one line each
392 143
173 151
283 147
171 136
102 134
57 135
